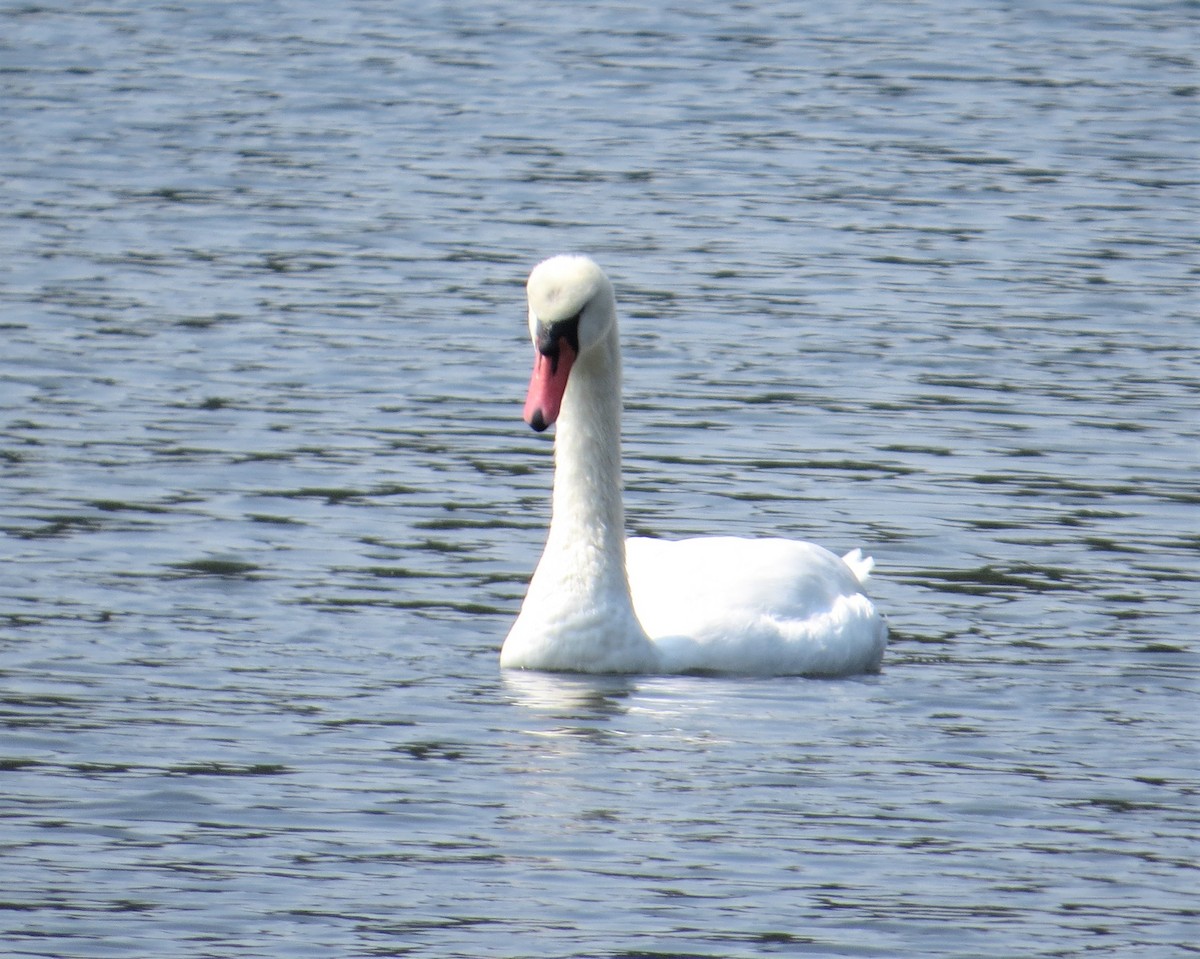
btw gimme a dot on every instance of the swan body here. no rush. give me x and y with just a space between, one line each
599 603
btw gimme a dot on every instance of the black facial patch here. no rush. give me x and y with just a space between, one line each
550 335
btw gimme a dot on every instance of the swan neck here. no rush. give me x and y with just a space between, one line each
587 506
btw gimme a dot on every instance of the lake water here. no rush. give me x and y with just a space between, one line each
917 277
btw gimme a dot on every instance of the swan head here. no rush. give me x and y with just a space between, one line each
571 309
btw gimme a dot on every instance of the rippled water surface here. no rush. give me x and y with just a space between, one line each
918 277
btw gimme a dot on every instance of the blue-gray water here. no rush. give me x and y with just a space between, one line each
918 277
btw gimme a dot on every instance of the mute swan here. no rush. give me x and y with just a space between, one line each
599 604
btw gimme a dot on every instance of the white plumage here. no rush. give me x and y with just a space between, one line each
599 603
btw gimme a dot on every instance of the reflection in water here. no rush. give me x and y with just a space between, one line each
570 695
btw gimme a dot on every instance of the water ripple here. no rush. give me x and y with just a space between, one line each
914 278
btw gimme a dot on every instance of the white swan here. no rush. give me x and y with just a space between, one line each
599 604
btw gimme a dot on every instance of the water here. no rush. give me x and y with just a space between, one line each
916 277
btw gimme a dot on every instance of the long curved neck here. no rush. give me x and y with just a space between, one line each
578 613
587 511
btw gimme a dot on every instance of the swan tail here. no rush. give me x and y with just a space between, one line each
859 564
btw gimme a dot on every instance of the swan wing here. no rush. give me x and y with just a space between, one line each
755 606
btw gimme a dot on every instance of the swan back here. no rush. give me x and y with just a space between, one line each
754 607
